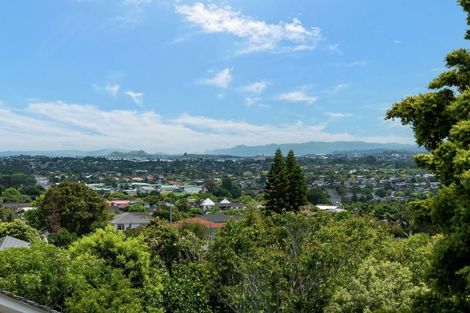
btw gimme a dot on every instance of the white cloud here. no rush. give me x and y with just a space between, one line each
251 101
297 96
112 89
258 35
220 80
137 97
256 87
338 114
58 125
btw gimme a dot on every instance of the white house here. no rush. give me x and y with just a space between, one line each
225 201
207 204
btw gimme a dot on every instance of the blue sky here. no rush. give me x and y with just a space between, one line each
178 76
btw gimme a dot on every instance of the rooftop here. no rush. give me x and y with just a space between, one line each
12 242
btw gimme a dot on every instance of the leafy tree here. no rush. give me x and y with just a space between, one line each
35 218
441 123
233 189
63 238
136 208
47 275
288 262
168 244
117 196
74 207
183 205
38 273
103 290
7 214
317 196
129 257
276 189
377 286
11 195
20 230
185 290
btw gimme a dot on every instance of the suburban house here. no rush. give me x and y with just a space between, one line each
10 303
127 220
207 204
211 222
119 204
225 204
12 242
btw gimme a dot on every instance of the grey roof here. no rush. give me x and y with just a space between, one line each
25 304
132 218
12 242
219 218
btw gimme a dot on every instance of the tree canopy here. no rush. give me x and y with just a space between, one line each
441 123
75 207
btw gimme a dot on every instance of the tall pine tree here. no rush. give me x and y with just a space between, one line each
276 190
297 190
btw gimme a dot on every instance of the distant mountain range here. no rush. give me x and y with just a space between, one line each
109 153
316 147
62 153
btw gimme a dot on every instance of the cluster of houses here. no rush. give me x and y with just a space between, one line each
123 221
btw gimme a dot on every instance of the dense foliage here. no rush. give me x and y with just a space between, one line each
75 207
441 122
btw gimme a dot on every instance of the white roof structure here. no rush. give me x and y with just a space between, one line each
207 203
225 201
12 242
330 208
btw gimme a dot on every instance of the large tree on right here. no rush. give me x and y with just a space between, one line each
441 123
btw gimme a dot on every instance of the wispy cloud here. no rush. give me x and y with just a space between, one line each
338 114
220 80
251 101
256 87
334 48
112 89
137 97
56 125
356 63
129 13
258 35
297 96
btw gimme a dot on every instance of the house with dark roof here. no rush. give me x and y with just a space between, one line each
127 220
12 242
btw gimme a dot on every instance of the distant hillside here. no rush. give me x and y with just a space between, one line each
60 153
314 147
